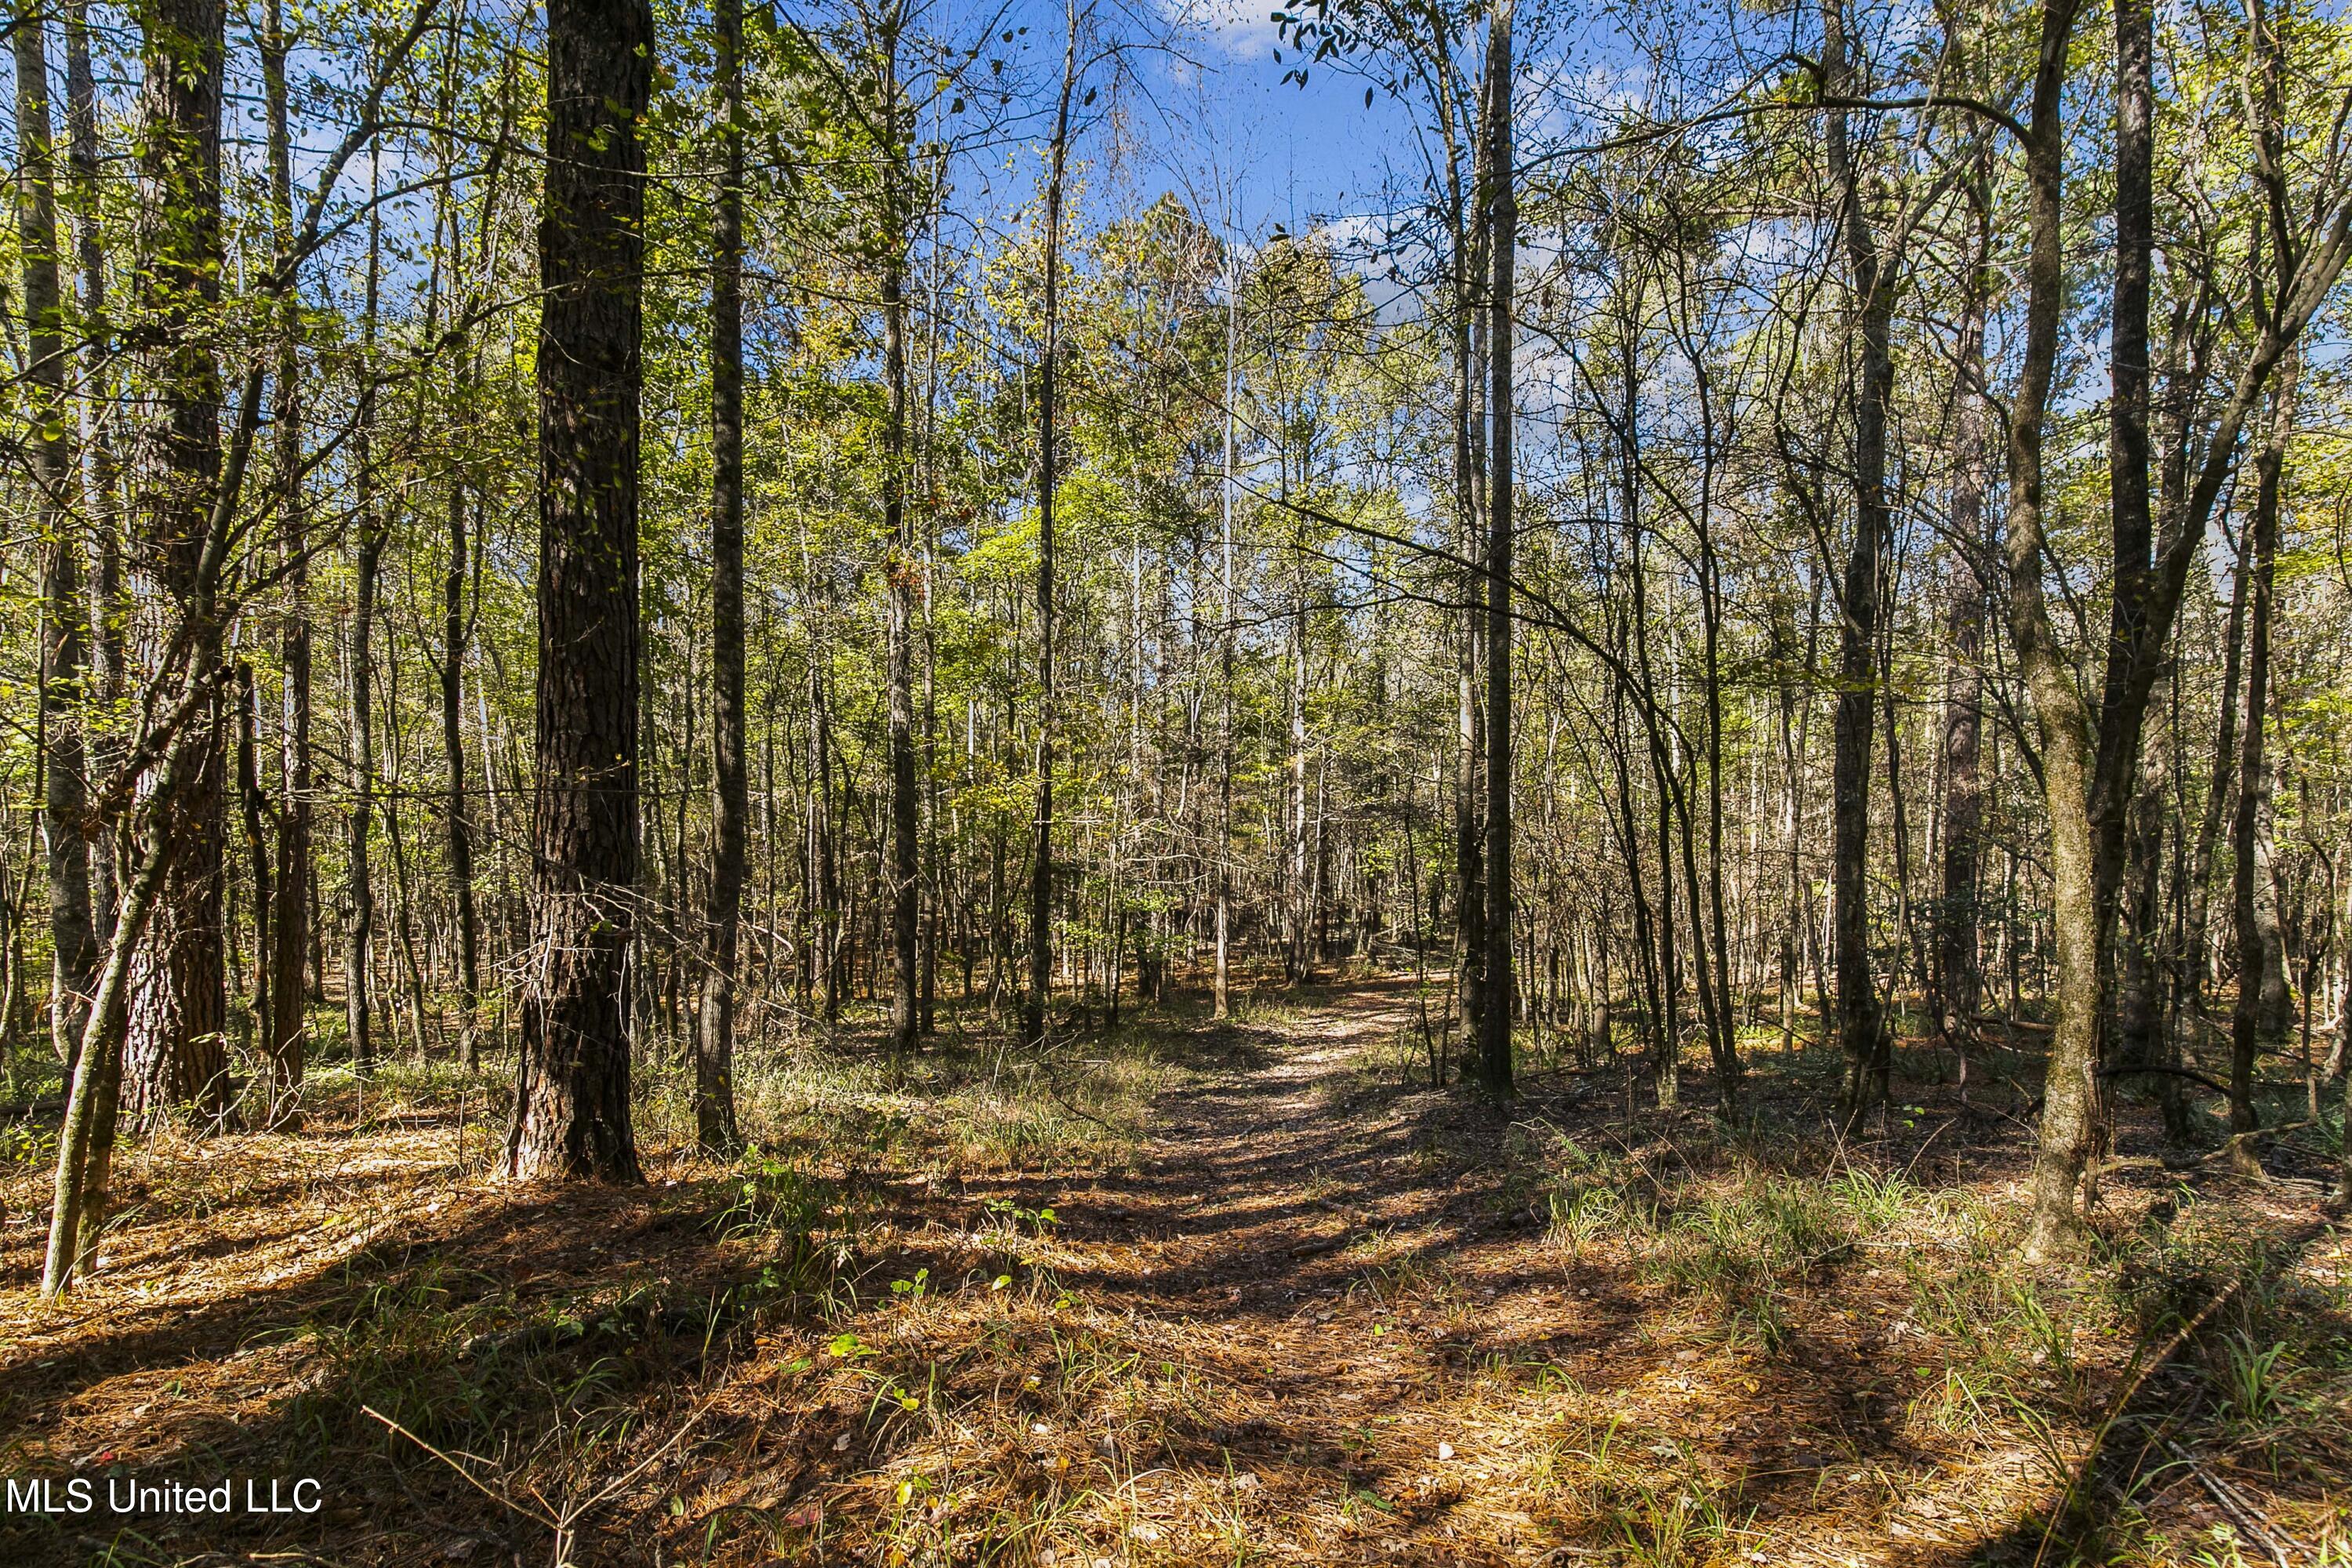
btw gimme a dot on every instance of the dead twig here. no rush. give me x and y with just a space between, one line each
2233 1503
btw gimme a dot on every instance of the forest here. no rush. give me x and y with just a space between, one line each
1151 782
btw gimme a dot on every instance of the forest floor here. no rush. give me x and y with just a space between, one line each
1191 1294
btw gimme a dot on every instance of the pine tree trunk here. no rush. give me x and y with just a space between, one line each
456 816
1959 981
176 1057
571 1098
367 553
1041 874
109 613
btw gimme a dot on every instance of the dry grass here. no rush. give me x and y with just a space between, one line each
1210 1297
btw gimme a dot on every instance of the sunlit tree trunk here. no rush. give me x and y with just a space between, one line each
64 697
367 553
1959 981
109 613
177 1050
1862 1032
1041 870
714 1052
572 1101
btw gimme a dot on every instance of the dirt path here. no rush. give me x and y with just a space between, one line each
1362 1343
1329 1325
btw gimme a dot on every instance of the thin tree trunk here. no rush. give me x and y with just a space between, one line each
714 1052
1040 883
904 879
256 816
367 554
1959 981
1862 1032
76 1211
456 816
108 612
289 917
2070 1116
1494 981
1221 1001
64 699
2251 1025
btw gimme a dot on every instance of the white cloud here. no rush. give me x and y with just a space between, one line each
1237 27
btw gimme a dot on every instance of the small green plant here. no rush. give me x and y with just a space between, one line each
1582 1214
2251 1378
773 1196
22 1143
1012 1215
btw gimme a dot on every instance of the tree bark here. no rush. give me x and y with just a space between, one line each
904 878
1494 980
283 1041
177 1058
1040 873
77 1210
2250 1021
109 613
64 696
714 1051
1958 981
2070 1116
571 1097
1862 1032
458 817
367 554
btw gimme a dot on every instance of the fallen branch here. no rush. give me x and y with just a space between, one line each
2138 1380
464 1474
2220 1088
2233 1503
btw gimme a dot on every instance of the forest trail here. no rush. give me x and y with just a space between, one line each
1326 1319
1289 1309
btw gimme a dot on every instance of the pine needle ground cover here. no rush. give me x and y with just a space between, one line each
1194 1294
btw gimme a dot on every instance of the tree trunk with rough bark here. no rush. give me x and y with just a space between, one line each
284 1039
1041 866
1959 981
571 1098
176 1054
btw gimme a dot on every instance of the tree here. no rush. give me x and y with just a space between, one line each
177 1053
714 1105
572 1100
289 917
1040 871
1496 989
64 699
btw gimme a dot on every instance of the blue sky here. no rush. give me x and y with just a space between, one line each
1290 154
